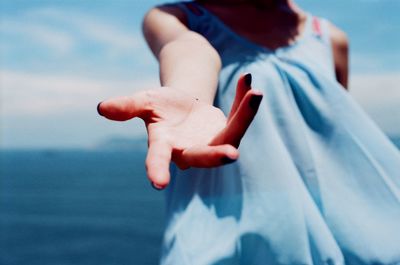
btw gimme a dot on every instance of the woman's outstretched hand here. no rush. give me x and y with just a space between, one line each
185 130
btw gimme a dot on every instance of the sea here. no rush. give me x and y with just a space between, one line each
79 207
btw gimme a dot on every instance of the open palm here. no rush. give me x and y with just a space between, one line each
185 130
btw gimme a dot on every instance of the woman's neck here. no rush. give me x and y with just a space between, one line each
270 23
264 4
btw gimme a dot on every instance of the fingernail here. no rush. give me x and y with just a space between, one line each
156 187
255 102
247 79
98 109
226 160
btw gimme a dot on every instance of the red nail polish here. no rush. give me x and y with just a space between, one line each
226 160
255 102
98 109
248 79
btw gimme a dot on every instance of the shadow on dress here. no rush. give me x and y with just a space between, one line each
254 249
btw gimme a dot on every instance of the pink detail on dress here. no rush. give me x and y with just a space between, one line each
316 24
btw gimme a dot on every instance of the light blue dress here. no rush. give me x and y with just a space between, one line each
316 182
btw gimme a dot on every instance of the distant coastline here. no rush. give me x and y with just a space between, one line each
123 144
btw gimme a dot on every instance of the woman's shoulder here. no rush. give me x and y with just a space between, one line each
162 24
340 50
336 42
167 23
166 11
338 38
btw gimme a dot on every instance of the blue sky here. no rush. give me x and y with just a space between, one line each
59 58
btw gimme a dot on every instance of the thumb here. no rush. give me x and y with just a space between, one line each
124 108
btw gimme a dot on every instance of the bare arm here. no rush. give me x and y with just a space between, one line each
187 61
182 124
340 47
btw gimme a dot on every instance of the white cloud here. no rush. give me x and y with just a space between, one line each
27 94
379 95
59 41
42 94
106 34
365 61
92 28
62 30
47 105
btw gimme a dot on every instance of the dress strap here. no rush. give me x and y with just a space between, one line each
316 27
195 14
320 29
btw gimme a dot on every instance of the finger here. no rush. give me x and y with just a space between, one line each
157 163
237 126
124 108
209 156
243 85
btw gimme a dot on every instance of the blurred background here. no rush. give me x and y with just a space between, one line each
72 184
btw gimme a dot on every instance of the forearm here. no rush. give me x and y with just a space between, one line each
187 60
190 63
